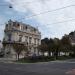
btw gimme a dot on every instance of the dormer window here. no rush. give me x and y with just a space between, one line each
26 27
14 23
34 30
9 37
20 38
6 25
18 24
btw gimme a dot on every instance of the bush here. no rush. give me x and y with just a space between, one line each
72 55
36 59
33 59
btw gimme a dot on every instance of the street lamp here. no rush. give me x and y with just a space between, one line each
10 6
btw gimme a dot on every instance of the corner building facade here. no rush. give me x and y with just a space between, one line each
21 33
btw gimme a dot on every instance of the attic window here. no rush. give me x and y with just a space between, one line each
26 27
18 24
6 25
34 29
14 23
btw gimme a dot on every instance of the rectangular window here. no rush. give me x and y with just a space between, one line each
26 39
9 37
30 40
35 41
20 38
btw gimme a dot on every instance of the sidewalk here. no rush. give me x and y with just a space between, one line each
9 60
6 60
64 61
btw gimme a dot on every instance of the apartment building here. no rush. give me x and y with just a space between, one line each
17 32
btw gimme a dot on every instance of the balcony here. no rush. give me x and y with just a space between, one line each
13 42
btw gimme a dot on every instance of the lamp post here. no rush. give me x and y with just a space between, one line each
10 6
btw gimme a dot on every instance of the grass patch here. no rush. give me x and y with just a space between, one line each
41 59
35 59
63 57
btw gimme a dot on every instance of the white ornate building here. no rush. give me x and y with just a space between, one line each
21 33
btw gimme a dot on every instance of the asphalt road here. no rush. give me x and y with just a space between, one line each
49 68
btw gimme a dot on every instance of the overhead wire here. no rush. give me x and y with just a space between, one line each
45 11
62 21
50 11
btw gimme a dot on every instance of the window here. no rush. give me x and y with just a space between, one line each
6 25
38 41
26 27
18 24
14 23
35 41
26 39
20 38
30 40
9 37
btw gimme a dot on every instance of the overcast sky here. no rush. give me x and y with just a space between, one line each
47 23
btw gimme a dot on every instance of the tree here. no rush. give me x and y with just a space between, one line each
26 51
4 46
66 44
57 45
50 46
43 47
18 48
72 33
65 40
45 40
73 50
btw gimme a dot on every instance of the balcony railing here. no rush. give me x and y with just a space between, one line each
12 42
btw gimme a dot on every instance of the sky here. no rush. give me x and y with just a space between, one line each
50 24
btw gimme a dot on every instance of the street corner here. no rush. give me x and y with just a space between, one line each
70 72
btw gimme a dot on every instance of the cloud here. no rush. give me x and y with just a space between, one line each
46 20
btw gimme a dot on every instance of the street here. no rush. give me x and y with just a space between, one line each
47 68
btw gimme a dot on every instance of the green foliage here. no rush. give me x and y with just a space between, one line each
43 47
41 59
73 49
19 48
55 45
36 59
